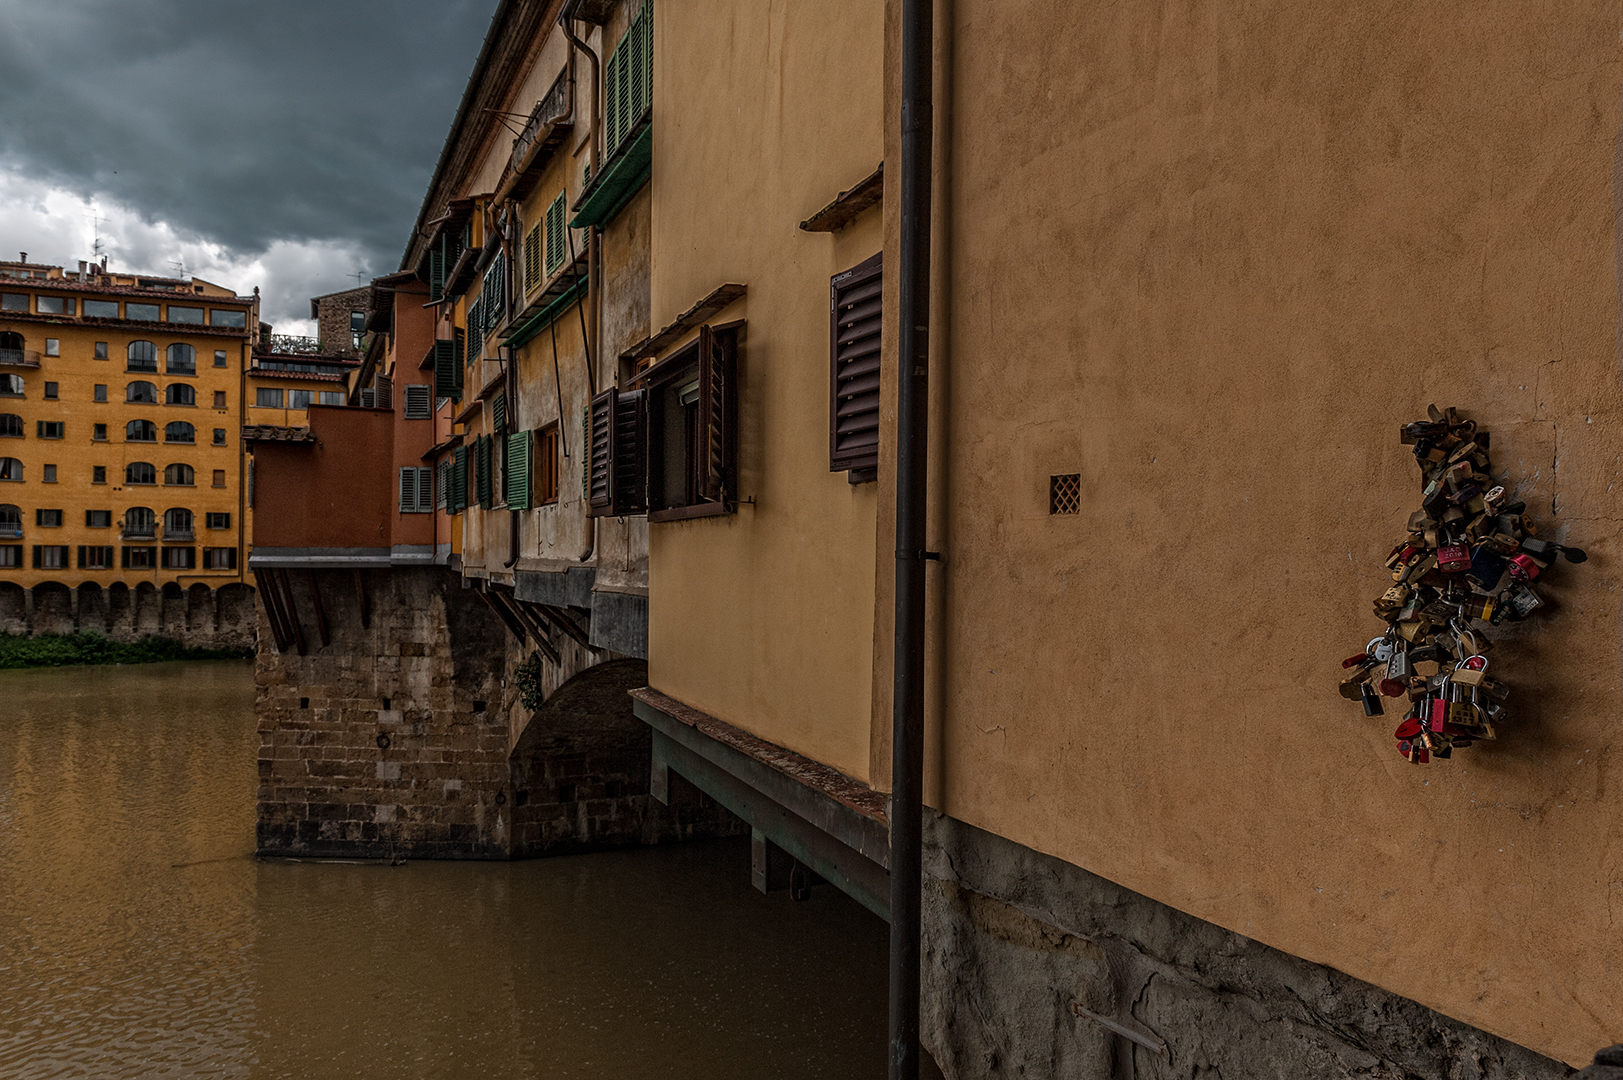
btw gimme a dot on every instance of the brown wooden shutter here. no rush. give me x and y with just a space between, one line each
630 494
600 455
714 393
855 318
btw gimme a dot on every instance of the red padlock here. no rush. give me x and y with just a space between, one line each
1453 558
1523 568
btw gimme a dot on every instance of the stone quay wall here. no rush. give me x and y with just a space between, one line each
197 616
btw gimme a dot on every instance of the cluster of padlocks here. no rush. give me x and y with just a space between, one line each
1471 557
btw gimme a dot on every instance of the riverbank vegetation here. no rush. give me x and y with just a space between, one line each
86 647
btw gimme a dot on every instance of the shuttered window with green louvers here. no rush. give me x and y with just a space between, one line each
532 255
518 471
557 240
498 412
459 480
447 371
481 467
436 273
628 80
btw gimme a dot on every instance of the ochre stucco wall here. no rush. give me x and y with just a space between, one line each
763 618
1211 258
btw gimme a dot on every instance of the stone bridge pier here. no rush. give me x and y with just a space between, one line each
198 615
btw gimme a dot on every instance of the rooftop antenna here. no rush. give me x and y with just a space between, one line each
359 276
178 265
97 248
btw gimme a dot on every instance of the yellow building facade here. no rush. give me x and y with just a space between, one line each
121 400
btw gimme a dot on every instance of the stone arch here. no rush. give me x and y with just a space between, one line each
173 607
235 620
146 602
199 614
13 608
120 612
92 606
53 608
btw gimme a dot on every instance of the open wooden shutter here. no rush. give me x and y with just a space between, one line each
481 450
446 371
714 396
498 412
630 486
855 318
408 489
600 454
518 470
436 272
532 256
459 480
557 241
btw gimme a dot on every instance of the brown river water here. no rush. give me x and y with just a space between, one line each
139 937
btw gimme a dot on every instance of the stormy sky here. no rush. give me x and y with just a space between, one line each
283 143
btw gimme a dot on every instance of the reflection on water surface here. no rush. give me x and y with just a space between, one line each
139 938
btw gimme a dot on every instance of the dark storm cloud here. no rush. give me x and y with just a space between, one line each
243 124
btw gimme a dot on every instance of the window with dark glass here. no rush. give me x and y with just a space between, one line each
219 558
142 391
140 431
11 469
215 519
219 358
11 426
99 393
268 397
13 301
179 394
229 319
179 431
219 436
101 346
180 474
101 309
11 521
141 312
182 359
140 521
95 557
177 524
140 558
98 473
54 305
141 356
99 432
52 391
191 316
49 472
140 472
98 519
48 519
50 429
11 385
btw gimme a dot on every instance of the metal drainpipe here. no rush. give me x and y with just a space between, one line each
912 435
593 284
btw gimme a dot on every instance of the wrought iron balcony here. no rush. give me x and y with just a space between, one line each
11 532
27 358
179 536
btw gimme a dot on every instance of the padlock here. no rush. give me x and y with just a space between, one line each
1410 728
1372 702
1379 649
1487 567
1494 495
1453 558
1542 551
1521 601
1350 685
1523 567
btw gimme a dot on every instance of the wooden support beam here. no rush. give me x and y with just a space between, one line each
285 596
512 624
538 632
321 616
565 622
268 598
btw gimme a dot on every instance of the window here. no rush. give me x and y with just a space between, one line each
191 316
557 241
179 394
179 431
11 521
11 385
299 399
217 520
142 391
219 358
416 490
99 432
448 368
13 301
48 519
219 436
54 305
100 392
219 478
49 472
11 556
53 346
140 521
268 397
10 469
180 474
140 472
177 524
231 319
140 558
546 465
101 309
101 346
52 391
357 328
854 371
219 399
95 557
141 312
670 450
49 429
98 473
182 359
179 558
219 558
140 431
98 519
50 556
142 356
11 426
419 405
628 81
332 397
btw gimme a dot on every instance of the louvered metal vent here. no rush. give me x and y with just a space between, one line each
856 316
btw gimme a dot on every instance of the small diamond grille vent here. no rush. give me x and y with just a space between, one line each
1065 494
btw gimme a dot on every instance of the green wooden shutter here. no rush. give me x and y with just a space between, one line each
498 412
532 255
643 70
518 470
447 372
436 273
557 241
459 480
482 467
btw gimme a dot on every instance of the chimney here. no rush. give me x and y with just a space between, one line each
24 255
82 265
104 264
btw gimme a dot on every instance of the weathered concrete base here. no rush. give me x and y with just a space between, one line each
404 737
197 616
1013 938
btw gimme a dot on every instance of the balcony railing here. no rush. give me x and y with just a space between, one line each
136 532
553 106
19 358
11 532
178 536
